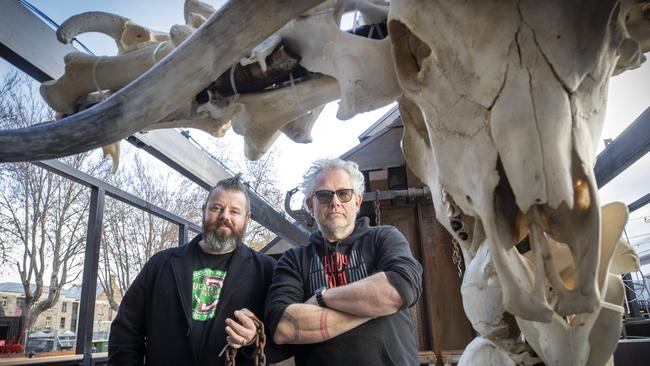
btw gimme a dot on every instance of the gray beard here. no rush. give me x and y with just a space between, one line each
213 242
336 231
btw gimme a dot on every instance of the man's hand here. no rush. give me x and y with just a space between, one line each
241 332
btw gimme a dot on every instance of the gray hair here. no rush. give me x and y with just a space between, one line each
321 165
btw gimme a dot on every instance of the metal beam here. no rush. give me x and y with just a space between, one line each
631 303
176 151
644 259
114 192
183 234
89 283
170 147
632 352
630 146
410 193
639 203
29 43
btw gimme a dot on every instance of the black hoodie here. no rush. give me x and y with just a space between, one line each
387 340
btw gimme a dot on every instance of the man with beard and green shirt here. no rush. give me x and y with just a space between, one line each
188 302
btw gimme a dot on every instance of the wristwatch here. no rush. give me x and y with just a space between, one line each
319 297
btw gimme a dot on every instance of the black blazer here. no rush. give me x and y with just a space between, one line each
152 326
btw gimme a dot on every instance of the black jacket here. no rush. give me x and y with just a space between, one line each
387 340
153 322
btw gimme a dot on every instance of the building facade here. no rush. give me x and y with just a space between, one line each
63 316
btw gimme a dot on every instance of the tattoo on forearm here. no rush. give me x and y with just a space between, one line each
294 322
323 324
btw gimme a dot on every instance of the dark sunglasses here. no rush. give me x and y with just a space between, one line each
325 196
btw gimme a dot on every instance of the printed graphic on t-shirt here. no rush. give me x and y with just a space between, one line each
336 269
206 291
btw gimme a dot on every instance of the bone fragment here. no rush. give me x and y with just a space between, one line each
134 107
354 62
127 35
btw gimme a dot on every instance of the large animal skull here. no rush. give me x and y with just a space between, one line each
502 103
508 107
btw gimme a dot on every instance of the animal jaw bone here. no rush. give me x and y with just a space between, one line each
127 35
260 117
352 60
299 130
587 338
534 179
459 110
265 114
132 108
485 351
305 36
86 73
138 50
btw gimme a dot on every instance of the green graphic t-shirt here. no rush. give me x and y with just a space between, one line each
206 290
208 275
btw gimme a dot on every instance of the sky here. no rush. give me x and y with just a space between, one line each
629 96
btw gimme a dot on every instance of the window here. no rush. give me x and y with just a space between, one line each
73 316
64 307
62 324
20 304
48 322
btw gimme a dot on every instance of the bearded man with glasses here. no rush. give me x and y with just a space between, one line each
344 297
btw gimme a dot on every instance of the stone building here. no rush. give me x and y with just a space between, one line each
64 315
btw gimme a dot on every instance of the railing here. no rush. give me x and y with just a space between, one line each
98 192
96 359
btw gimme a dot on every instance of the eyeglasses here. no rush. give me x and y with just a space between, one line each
325 196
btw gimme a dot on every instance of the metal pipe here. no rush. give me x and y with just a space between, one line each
411 194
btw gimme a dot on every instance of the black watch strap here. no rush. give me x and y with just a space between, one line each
319 297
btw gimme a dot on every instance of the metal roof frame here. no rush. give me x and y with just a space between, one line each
30 44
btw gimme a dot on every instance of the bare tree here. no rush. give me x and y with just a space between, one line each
261 176
132 236
42 215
